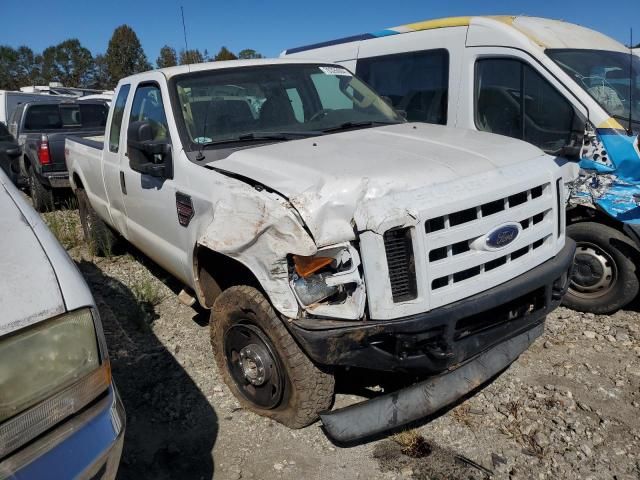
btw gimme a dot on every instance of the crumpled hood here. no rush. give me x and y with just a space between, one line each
326 178
29 289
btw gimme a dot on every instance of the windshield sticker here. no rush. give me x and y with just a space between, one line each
341 72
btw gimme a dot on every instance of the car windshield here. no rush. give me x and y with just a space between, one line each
278 102
611 78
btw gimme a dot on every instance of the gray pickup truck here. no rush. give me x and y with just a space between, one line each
41 129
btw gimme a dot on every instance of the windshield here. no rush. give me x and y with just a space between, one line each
276 101
606 77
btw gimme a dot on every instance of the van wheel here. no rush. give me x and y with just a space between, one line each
604 276
262 364
41 196
97 234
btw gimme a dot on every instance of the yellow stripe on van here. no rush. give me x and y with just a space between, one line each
437 23
611 123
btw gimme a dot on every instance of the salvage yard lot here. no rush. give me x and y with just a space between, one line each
568 408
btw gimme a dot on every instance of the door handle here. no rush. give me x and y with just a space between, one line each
123 185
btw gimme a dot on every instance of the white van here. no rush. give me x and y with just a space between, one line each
529 78
9 101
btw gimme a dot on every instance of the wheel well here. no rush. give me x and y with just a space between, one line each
216 272
76 181
579 214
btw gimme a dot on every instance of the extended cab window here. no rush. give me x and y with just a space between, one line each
415 82
65 116
513 99
118 115
147 106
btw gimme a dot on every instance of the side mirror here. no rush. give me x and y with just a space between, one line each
572 150
146 155
13 152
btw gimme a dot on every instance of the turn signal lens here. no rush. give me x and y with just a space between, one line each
306 266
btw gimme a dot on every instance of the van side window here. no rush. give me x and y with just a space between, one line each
415 82
147 106
116 122
513 99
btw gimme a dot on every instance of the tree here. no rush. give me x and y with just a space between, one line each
167 57
74 63
248 53
27 67
124 55
8 60
18 67
48 67
191 56
100 77
224 54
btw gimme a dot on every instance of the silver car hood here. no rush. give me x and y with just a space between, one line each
38 280
327 178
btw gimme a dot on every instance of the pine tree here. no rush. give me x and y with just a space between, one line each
248 53
224 54
167 57
125 55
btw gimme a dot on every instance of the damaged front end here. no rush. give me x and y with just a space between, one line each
610 175
329 284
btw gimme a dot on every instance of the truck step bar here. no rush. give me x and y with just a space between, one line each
393 410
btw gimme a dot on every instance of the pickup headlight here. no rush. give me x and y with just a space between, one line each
48 372
329 283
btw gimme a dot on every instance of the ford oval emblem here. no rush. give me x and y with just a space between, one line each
502 236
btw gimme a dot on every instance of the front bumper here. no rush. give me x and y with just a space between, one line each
441 339
85 446
425 398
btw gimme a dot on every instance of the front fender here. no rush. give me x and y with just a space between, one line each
260 230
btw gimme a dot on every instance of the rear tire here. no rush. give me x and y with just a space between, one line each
100 238
41 196
262 364
604 277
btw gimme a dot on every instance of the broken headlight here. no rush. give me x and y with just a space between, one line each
329 283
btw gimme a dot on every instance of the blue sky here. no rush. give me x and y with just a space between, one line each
271 26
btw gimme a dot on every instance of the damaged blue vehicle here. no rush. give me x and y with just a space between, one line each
604 206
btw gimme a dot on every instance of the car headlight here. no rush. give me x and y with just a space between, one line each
329 283
47 372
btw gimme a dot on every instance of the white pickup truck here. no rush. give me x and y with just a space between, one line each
324 232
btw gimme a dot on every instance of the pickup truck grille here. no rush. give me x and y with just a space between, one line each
402 274
448 264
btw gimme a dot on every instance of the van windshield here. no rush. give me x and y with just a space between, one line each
611 78
279 102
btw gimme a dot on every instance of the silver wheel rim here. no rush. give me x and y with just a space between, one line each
594 272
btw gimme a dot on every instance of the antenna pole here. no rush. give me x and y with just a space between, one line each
186 45
630 130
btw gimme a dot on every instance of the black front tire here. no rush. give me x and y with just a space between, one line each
41 196
306 390
100 238
604 277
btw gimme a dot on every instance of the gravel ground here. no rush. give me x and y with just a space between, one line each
568 408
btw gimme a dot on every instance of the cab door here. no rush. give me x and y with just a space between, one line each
508 92
115 144
150 201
